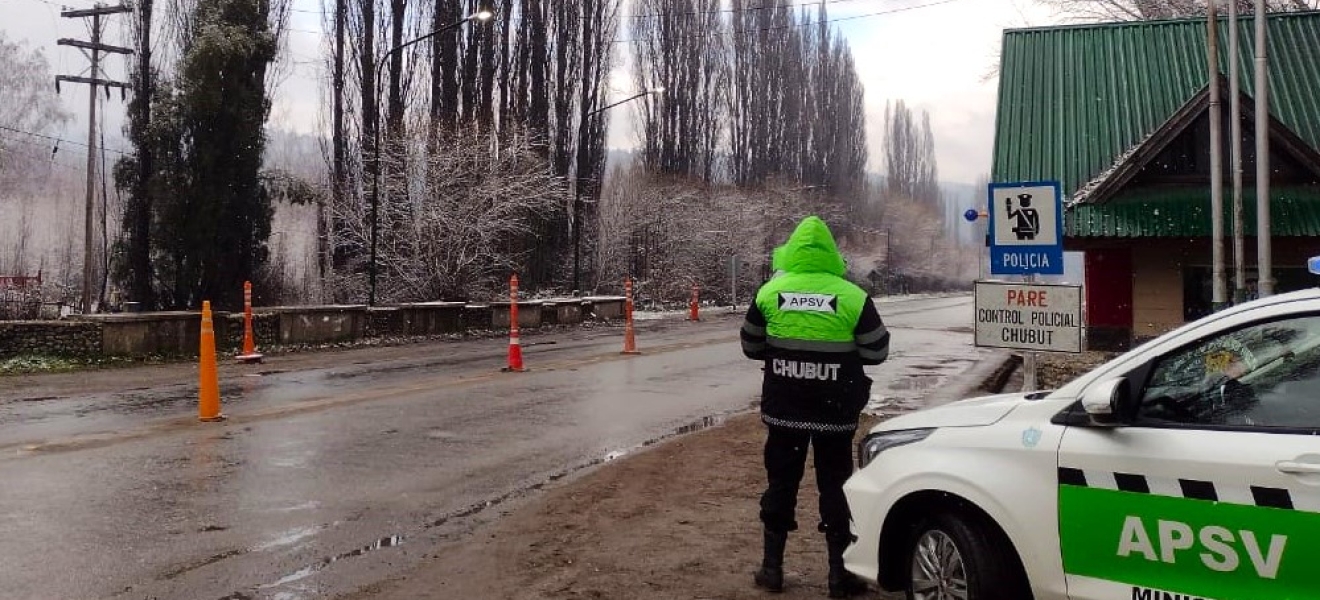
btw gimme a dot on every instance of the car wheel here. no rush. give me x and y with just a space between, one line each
953 558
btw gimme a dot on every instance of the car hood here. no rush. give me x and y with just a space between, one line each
973 412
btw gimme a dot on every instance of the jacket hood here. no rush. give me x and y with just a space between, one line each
811 249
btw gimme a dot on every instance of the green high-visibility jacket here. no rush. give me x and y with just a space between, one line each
815 331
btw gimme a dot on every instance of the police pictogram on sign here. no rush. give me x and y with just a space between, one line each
1026 228
1027 218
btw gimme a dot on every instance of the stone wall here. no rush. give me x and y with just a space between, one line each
177 333
432 318
561 312
229 330
385 321
321 324
604 307
529 315
73 339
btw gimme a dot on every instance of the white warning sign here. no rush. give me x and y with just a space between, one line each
1021 316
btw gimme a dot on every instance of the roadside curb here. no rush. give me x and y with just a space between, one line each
985 378
995 382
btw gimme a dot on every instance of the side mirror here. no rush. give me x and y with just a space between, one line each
1108 403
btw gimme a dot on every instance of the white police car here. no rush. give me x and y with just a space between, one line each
1187 468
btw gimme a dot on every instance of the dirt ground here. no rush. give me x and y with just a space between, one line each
1056 370
678 520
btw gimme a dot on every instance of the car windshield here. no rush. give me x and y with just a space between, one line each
1257 375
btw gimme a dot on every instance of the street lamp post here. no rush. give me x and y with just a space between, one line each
577 191
484 13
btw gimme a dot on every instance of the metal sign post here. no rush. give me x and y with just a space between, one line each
733 281
1029 359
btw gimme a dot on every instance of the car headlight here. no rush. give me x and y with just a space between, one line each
872 445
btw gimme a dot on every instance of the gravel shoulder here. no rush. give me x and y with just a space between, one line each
678 520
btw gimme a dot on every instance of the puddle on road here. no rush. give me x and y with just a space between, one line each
908 391
695 426
303 573
287 538
704 423
915 382
888 406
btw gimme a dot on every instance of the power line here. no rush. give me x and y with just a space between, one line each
736 10
38 158
55 4
657 14
59 139
800 25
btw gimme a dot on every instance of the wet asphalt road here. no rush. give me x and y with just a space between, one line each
339 469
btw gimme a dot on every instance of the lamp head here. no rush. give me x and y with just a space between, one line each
485 12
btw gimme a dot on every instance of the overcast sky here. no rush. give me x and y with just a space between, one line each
936 56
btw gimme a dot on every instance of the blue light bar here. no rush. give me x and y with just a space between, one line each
1313 265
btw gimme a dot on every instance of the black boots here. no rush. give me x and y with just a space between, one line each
771 574
842 583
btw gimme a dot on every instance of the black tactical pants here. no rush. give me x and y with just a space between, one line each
785 461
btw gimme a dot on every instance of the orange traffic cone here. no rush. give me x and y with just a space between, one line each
249 354
208 406
629 340
515 345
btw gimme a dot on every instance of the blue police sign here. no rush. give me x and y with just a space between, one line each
1026 228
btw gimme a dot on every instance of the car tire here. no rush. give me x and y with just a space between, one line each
953 557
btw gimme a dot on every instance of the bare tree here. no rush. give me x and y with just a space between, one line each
1144 10
462 230
675 49
909 151
671 232
533 73
29 110
27 104
812 131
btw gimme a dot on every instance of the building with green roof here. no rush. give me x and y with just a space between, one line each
1119 113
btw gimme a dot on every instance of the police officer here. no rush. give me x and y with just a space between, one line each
814 330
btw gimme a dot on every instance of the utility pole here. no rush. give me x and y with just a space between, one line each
579 181
1235 135
1219 292
94 80
1264 270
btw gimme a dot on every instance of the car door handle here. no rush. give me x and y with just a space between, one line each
1292 466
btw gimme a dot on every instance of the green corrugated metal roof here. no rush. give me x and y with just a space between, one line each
1073 99
1295 211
